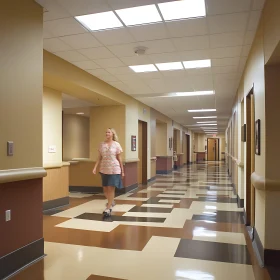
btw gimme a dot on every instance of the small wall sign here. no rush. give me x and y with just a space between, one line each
133 143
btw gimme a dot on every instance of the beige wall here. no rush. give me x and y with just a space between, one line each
52 126
75 137
102 118
161 139
21 84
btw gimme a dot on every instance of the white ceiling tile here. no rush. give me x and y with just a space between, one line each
195 55
150 75
157 85
53 10
114 37
47 34
228 22
108 78
164 57
226 52
96 53
258 4
226 39
201 82
246 50
63 27
71 56
55 45
84 7
149 32
242 62
249 37
119 85
86 65
109 62
136 60
175 73
229 61
225 69
199 71
120 70
216 7
191 43
129 77
138 87
185 28
121 4
99 72
81 41
254 20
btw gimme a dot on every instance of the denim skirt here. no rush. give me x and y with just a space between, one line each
111 180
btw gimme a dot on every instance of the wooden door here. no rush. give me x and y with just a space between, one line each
217 148
140 151
211 151
188 148
144 153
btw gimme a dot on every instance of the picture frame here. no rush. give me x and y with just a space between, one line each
133 143
243 133
258 137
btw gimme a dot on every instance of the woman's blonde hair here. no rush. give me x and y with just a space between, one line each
115 135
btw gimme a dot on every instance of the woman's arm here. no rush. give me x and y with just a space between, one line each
97 163
119 158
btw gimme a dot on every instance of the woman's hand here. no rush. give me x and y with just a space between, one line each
122 174
94 171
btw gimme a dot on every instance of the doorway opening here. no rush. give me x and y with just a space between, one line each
188 143
250 159
142 153
213 149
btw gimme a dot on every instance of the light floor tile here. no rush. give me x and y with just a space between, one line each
79 195
147 215
158 205
207 205
169 201
173 196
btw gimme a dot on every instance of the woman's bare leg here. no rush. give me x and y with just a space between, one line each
105 191
111 196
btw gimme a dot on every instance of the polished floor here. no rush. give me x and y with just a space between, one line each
185 225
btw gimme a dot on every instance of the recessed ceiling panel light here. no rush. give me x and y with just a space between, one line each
208 122
100 21
139 15
195 93
202 110
169 66
143 68
80 113
197 63
182 9
209 117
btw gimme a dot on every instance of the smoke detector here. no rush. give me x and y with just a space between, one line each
140 50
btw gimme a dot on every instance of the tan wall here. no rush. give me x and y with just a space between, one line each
75 137
161 139
21 83
102 118
56 184
52 126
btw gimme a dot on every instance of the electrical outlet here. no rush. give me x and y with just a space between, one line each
8 215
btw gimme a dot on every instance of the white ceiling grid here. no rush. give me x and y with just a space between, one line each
225 36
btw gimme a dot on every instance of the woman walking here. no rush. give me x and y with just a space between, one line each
111 167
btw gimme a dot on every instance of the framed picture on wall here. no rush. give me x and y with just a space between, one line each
133 143
243 133
258 137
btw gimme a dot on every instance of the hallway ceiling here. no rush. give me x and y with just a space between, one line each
225 36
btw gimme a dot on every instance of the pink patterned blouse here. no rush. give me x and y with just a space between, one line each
109 162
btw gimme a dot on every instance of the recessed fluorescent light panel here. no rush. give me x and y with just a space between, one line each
170 66
143 68
197 64
195 93
182 9
139 15
202 110
208 117
80 113
208 122
100 21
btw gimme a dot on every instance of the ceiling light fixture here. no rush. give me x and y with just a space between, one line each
80 113
209 117
170 66
182 9
197 64
139 15
143 68
100 21
208 122
202 110
195 93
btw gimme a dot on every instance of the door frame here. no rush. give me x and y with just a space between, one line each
144 161
215 150
188 143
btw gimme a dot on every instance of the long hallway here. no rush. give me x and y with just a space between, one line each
182 226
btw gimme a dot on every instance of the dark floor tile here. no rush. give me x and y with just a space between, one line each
53 211
213 251
99 217
221 217
150 209
155 200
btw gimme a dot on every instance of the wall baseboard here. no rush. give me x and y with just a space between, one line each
164 172
258 248
15 261
152 179
55 203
